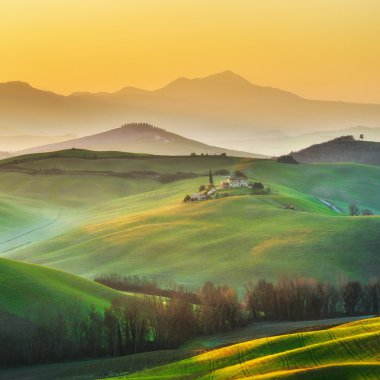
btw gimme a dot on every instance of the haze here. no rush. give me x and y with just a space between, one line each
319 49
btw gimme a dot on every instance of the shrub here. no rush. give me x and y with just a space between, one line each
287 160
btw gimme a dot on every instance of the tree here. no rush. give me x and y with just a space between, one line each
351 294
187 198
202 188
361 137
354 209
288 159
258 186
239 173
373 292
211 179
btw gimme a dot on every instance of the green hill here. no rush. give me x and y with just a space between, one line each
111 222
348 351
26 288
341 149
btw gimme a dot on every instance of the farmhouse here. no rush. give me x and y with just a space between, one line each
234 181
198 197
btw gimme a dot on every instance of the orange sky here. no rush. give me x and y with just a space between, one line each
326 49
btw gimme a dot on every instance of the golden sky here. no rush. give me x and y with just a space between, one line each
327 49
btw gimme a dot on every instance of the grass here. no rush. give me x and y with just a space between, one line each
97 368
348 351
26 288
143 227
228 240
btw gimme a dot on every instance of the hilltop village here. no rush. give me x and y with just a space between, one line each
234 184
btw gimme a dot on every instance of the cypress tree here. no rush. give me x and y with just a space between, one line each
211 179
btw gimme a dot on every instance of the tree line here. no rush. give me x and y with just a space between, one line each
166 318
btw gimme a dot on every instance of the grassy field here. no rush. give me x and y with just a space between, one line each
24 288
350 351
98 368
109 367
140 226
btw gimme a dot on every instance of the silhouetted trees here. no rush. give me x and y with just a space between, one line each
299 299
353 209
287 159
211 179
150 322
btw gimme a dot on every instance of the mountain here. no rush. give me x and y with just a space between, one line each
341 149
4 155
19 142
140 138
223 104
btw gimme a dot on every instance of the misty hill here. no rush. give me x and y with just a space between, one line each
221 105
140 138
4 155
341 149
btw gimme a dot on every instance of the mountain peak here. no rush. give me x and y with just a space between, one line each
16 85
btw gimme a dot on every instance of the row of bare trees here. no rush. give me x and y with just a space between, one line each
300 299
152 322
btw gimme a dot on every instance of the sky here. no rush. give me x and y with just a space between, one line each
319 49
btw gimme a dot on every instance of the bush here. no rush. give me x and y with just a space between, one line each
287 160
258 185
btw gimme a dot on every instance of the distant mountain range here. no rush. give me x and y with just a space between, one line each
221 109
342 149
140 138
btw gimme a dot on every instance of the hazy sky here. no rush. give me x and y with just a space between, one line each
326 49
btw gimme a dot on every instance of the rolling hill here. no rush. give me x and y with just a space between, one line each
113 221
346 352
139 138
25 289
341 149
199 108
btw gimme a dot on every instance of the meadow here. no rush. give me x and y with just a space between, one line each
110 223
349 351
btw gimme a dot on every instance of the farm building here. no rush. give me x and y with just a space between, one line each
198 197
233 181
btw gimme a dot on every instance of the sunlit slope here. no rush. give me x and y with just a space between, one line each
27 288
339 183
350 351
231 240
141 226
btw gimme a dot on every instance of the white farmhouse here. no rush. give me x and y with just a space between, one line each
233 181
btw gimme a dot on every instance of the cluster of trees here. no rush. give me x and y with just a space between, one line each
209 155
354 210
302 299
287 159
164 319
142 285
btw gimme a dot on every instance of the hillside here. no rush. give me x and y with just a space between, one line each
139 138
26 289
4 155
199 108
346 352
117 215
341 149
15 143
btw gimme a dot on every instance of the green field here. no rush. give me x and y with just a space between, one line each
104 223
28 288
350 351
